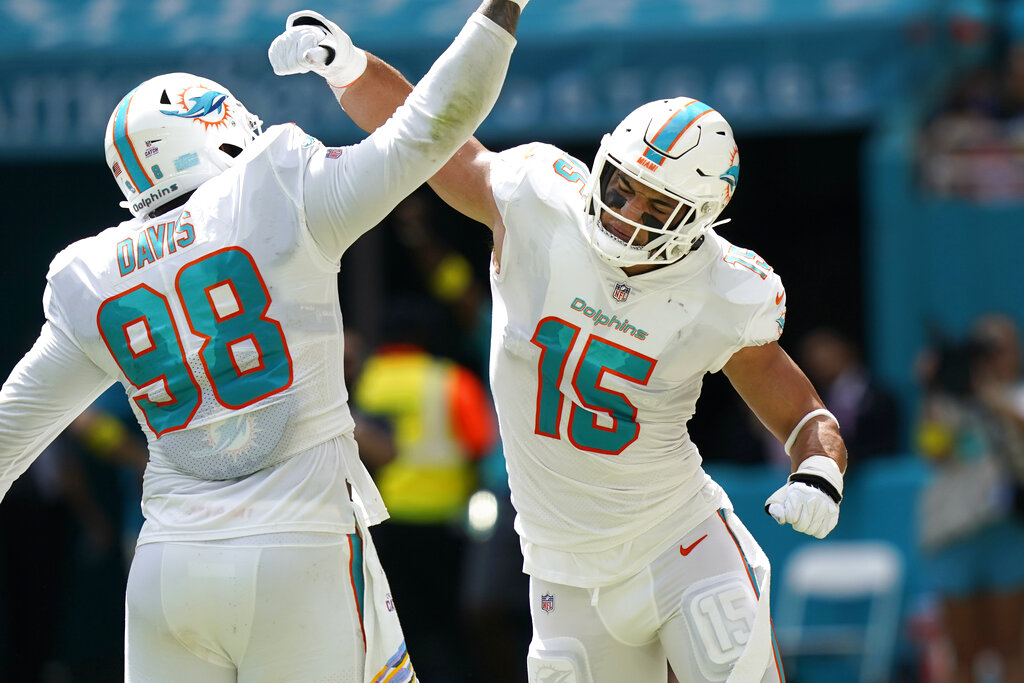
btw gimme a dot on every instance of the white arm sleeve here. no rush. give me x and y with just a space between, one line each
347 195
51 385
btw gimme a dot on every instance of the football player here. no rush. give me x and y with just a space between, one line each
613 296
216 307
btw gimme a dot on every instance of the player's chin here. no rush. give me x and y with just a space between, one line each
618 230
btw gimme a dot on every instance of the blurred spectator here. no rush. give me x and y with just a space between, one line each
443 423
973 145
973 540
868 413
373 434
492 595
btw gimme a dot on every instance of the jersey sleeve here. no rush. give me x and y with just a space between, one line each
538 190
51 385
348 190
751 301
509 170
769 319
551 175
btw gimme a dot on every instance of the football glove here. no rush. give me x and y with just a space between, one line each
311 42
809 500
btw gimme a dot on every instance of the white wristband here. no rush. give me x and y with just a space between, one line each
521 3
348 73
803 421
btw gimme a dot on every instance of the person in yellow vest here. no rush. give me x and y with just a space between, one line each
442 423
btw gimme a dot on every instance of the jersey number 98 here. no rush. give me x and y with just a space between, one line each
244 355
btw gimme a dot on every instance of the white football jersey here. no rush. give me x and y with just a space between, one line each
220 318
222 322
595 374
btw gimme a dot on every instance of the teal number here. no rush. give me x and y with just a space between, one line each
244 352
157 173
244 322
601 356
151 357
569 172
556 338
749 260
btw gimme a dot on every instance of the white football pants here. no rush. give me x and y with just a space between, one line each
216 613
696 605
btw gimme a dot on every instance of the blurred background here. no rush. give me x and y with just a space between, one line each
882 147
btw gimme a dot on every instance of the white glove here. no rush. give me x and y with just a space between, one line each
311 42
810 499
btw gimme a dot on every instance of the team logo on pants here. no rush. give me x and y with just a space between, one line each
547 602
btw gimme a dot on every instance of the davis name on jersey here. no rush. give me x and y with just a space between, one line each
596 373
226 374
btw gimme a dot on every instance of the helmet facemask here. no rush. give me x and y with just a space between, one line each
657 238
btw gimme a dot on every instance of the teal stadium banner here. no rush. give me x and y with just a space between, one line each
768 65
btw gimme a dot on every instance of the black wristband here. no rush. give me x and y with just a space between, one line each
819 483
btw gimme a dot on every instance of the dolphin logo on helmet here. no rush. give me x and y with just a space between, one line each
203 105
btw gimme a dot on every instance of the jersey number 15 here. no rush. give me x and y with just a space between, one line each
556 338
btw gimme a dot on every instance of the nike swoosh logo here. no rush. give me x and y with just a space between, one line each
778 297
689 549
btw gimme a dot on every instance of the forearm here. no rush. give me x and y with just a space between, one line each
373 99
440 114
781 396
819 436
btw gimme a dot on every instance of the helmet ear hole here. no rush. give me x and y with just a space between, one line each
230 150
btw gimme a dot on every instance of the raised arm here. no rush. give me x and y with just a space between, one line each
464 182
370 91
784 400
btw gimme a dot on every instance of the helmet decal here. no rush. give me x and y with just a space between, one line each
126 150
732 176
202 104
668 135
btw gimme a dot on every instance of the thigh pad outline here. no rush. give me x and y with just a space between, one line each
719 612
559 660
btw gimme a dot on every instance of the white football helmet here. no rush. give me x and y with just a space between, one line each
681 148
172 133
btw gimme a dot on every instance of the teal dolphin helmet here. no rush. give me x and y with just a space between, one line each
172 133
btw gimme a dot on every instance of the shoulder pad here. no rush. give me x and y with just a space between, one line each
553 175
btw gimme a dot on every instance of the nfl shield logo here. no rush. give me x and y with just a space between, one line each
621 291
547 602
